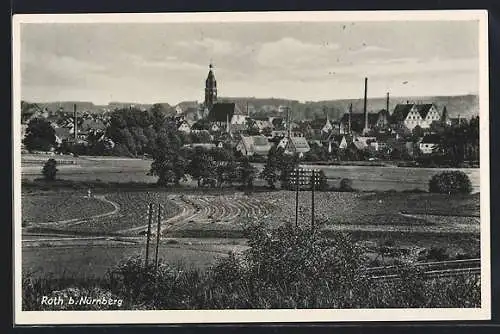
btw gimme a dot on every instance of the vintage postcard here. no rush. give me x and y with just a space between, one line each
251 167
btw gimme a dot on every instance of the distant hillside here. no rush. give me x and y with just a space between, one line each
466 106
91 107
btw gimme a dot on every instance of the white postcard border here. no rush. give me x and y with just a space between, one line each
251 316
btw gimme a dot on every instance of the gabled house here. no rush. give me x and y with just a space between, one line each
411 115
295 145
253 145
185 127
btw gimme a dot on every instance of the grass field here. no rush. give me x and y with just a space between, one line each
86 261
133 212
46 208
402 220
114 169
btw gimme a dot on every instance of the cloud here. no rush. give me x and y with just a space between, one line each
212 46
371 49
410 66
52 69
291 52
169 63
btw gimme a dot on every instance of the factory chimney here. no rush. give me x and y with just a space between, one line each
350 116
288 122
364 107
75 122
387 103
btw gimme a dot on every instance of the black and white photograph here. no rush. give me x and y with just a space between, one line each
251 167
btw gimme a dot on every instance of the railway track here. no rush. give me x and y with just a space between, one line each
430 269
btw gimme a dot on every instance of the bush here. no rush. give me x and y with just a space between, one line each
49 170
285 268
454 182
346 185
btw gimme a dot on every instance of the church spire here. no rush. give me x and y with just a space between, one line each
210 88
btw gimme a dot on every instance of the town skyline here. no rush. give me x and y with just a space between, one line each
145 63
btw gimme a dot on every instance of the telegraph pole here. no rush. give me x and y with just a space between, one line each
158 235
313 181
297 197
150 218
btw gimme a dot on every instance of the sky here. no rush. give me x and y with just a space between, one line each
308 61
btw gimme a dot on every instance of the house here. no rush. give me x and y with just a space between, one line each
253 145
215 127
383 120
238 119
184 127
221 113
295 145
429 144
367 143
411 115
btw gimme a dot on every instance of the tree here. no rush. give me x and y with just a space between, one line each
270 171
287 163
200 165
169 162
49 170
40 135
247 173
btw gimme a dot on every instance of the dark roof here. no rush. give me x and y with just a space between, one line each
423 109
221 112
400 112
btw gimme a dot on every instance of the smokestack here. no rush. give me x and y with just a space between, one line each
387 102
75 122
288 122
364 105
350 115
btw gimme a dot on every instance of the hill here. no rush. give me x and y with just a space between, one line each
464 105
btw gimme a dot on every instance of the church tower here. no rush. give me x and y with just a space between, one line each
210 89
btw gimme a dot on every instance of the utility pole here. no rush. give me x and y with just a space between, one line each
150 218
158 230
313 181
75 121
365 113
297 197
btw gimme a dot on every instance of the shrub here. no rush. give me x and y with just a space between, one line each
49 170
438 254
346 185
454 182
